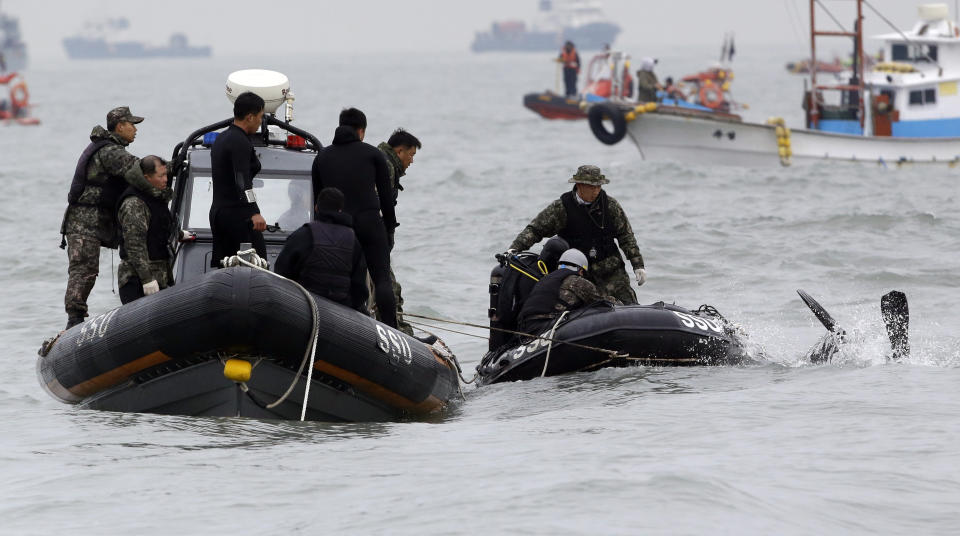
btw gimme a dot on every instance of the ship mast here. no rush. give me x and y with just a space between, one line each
857 35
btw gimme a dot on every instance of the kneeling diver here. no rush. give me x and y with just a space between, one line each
519 275
564 289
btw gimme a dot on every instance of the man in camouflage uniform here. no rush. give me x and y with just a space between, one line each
564 289
145 224
103 171
399 151
589 220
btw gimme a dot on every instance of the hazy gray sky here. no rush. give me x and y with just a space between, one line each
249 27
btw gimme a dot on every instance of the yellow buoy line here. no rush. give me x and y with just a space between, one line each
783 140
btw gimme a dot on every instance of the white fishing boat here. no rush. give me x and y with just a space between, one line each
906 110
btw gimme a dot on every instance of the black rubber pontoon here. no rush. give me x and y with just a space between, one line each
618 335
164 354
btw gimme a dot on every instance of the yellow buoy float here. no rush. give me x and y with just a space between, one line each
237 370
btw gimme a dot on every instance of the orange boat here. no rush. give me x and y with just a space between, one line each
15 108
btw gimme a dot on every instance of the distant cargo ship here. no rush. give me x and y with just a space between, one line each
13 51
92 44
580 21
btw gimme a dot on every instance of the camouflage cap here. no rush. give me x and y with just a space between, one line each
121 113
589 175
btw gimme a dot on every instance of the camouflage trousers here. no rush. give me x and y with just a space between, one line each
610 277
83 253
402 324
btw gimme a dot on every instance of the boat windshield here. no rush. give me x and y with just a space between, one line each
286 201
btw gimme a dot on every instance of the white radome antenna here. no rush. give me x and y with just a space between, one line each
271 86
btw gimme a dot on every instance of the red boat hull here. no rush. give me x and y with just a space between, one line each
552 106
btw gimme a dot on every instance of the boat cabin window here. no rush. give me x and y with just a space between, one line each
284 200
904 52
923 96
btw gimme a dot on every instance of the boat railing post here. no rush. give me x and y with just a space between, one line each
859 60
867 119
813 114
615 76
559 79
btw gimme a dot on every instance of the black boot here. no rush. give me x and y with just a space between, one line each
73 321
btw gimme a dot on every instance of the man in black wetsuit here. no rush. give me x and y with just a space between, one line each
359 171
325 256
234 214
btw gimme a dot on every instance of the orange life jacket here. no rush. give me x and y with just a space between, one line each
569 59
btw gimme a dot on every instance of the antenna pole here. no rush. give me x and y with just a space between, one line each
814 114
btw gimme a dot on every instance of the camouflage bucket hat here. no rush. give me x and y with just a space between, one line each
589 175
121 113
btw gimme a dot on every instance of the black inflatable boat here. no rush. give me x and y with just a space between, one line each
236 341
171 352
607 335
602 335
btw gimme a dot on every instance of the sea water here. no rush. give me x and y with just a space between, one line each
861 445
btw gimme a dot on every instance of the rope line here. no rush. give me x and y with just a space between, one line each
311 351
613 353
546 360
421 324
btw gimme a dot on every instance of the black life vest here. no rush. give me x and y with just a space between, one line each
545 296
587 230
111 186
159 228
327 270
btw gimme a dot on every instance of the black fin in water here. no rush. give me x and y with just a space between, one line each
896 316
829 344
822 315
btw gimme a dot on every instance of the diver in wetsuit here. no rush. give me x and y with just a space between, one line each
564 289
517 280
359 170
234 214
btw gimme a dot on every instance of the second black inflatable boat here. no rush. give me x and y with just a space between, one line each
618 335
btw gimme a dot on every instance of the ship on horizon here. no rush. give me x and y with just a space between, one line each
92 43
13 51
579 21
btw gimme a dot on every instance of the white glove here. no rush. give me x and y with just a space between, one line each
641 276
151 288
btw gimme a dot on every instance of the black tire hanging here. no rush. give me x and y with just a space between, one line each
598 113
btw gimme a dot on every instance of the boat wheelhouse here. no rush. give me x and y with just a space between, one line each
905 110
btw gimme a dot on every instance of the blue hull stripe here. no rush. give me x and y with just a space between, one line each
841 126
927 128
